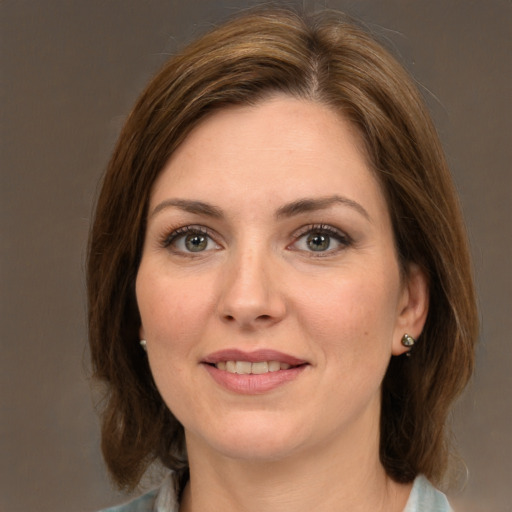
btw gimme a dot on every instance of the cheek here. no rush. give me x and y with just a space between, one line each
171 321
171 311
352 312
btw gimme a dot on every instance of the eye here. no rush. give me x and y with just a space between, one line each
321 239
318 241
190 239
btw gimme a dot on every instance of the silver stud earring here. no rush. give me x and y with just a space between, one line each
408 341
143 345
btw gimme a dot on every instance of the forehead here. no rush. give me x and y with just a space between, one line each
275 151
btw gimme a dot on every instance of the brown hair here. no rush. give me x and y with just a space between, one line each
326 59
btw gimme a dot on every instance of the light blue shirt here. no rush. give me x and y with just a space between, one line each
423 498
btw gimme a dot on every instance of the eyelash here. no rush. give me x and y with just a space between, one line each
324 229
342 238
175 234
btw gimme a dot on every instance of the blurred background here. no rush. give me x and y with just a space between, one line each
70 72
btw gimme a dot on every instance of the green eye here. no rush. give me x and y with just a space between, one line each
322 239
318 241
196 242
190 239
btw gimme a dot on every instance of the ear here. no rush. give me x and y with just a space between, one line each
142 336
412 307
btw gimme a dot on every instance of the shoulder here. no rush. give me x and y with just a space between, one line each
426 498
144 503
161 499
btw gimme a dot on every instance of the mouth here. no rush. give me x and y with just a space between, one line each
252 368
253 372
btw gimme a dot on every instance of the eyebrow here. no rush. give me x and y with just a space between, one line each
297 207
197 207
314 204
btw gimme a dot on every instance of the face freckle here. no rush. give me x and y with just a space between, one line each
297 261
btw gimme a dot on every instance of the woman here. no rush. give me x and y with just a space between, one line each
280 292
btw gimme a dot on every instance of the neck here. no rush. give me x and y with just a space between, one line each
340 475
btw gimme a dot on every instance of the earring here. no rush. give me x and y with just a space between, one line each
143 345
408 341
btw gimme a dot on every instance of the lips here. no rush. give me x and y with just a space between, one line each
253 372
256 356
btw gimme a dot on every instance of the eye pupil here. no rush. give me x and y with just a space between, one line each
318 242
196 243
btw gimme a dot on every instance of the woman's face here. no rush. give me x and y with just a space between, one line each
269 288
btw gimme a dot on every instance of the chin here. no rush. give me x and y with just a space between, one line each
257 440
262 451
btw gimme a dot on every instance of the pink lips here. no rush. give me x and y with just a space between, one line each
255 356
251 384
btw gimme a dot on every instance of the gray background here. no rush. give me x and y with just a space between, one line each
70 71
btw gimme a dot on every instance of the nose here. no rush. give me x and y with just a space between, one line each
251 292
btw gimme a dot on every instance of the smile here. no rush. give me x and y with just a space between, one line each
248 368
253 373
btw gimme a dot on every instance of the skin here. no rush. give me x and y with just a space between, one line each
312 443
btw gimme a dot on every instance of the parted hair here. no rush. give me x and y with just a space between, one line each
326 58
